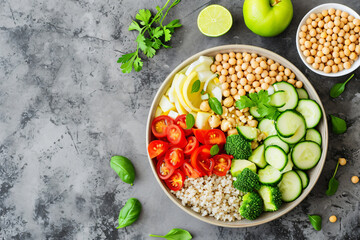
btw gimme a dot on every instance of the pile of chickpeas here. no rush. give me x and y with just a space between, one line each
239 74
330 40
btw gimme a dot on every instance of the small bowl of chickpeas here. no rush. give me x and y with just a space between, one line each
328 40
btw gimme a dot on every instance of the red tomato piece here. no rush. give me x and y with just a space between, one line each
190 171
159 125
181 122
157 148
163 170
210 137
201 160
191 146
174 157
176 136
176 181
200 135
222 164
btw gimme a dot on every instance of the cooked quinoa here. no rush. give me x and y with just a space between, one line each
212 196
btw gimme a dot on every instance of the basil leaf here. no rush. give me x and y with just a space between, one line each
195 87
175 234
339 88
315 221
215 105
214 150
189 120
129 213
124 168
338 125
332 187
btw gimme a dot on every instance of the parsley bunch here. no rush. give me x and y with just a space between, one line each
150 37
261 100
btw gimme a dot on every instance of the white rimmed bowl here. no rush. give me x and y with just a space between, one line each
322 127
318 9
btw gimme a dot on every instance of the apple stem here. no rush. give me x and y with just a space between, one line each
274 2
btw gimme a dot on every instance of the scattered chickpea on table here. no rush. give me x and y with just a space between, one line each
330 40
333 218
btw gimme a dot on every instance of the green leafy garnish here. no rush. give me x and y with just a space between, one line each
338 125
215 105
175 234
196 86
150 37
333 183
262 101
129 213
124 168
189 120
214 150
202 92
339 88
315 221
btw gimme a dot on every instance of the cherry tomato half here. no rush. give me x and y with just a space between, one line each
174 157
222 164
191 146
212 136
176 136
176 181
201 160
190 171
159 125
163 170
181 122
157 148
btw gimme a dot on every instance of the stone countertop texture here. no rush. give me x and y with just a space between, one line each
66 108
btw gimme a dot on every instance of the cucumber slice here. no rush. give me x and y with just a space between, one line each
304 178
291 95
306 155
303 94
289 166
288 123
290 186
253 111
237 165
311 111
276 157
275 140
267 126
298 136
249 133
313 135
269 175
278 99
258 157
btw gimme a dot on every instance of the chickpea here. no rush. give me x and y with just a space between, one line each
225 57
354 179
204 106
232 132
219 68
265 86
225 125
333 218
291 81
327 69
218 57
214 121
309 60
228 102
347 65
238 56
232 61
342 161
299 84
253 123
233 91
226 93
250 77
242 92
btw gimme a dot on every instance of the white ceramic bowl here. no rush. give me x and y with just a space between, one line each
318 9
314 173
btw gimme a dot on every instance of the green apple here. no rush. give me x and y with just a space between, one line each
267 18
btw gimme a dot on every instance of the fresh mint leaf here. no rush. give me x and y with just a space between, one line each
189 120
338 125
339 88
196 86
214 150
134 26
315 221
143 16
215 105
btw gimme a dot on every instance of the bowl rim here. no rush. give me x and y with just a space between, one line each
318 8
318 169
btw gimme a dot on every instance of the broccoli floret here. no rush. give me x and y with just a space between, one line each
247 181
271 197
252 206
238 146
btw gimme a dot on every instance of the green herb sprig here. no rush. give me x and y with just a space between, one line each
338 125
150 37
175 234
315 221
333 183
261 100
339 88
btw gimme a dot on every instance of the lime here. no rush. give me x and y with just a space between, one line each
214 20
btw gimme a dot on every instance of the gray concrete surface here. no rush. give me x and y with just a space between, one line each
66 108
